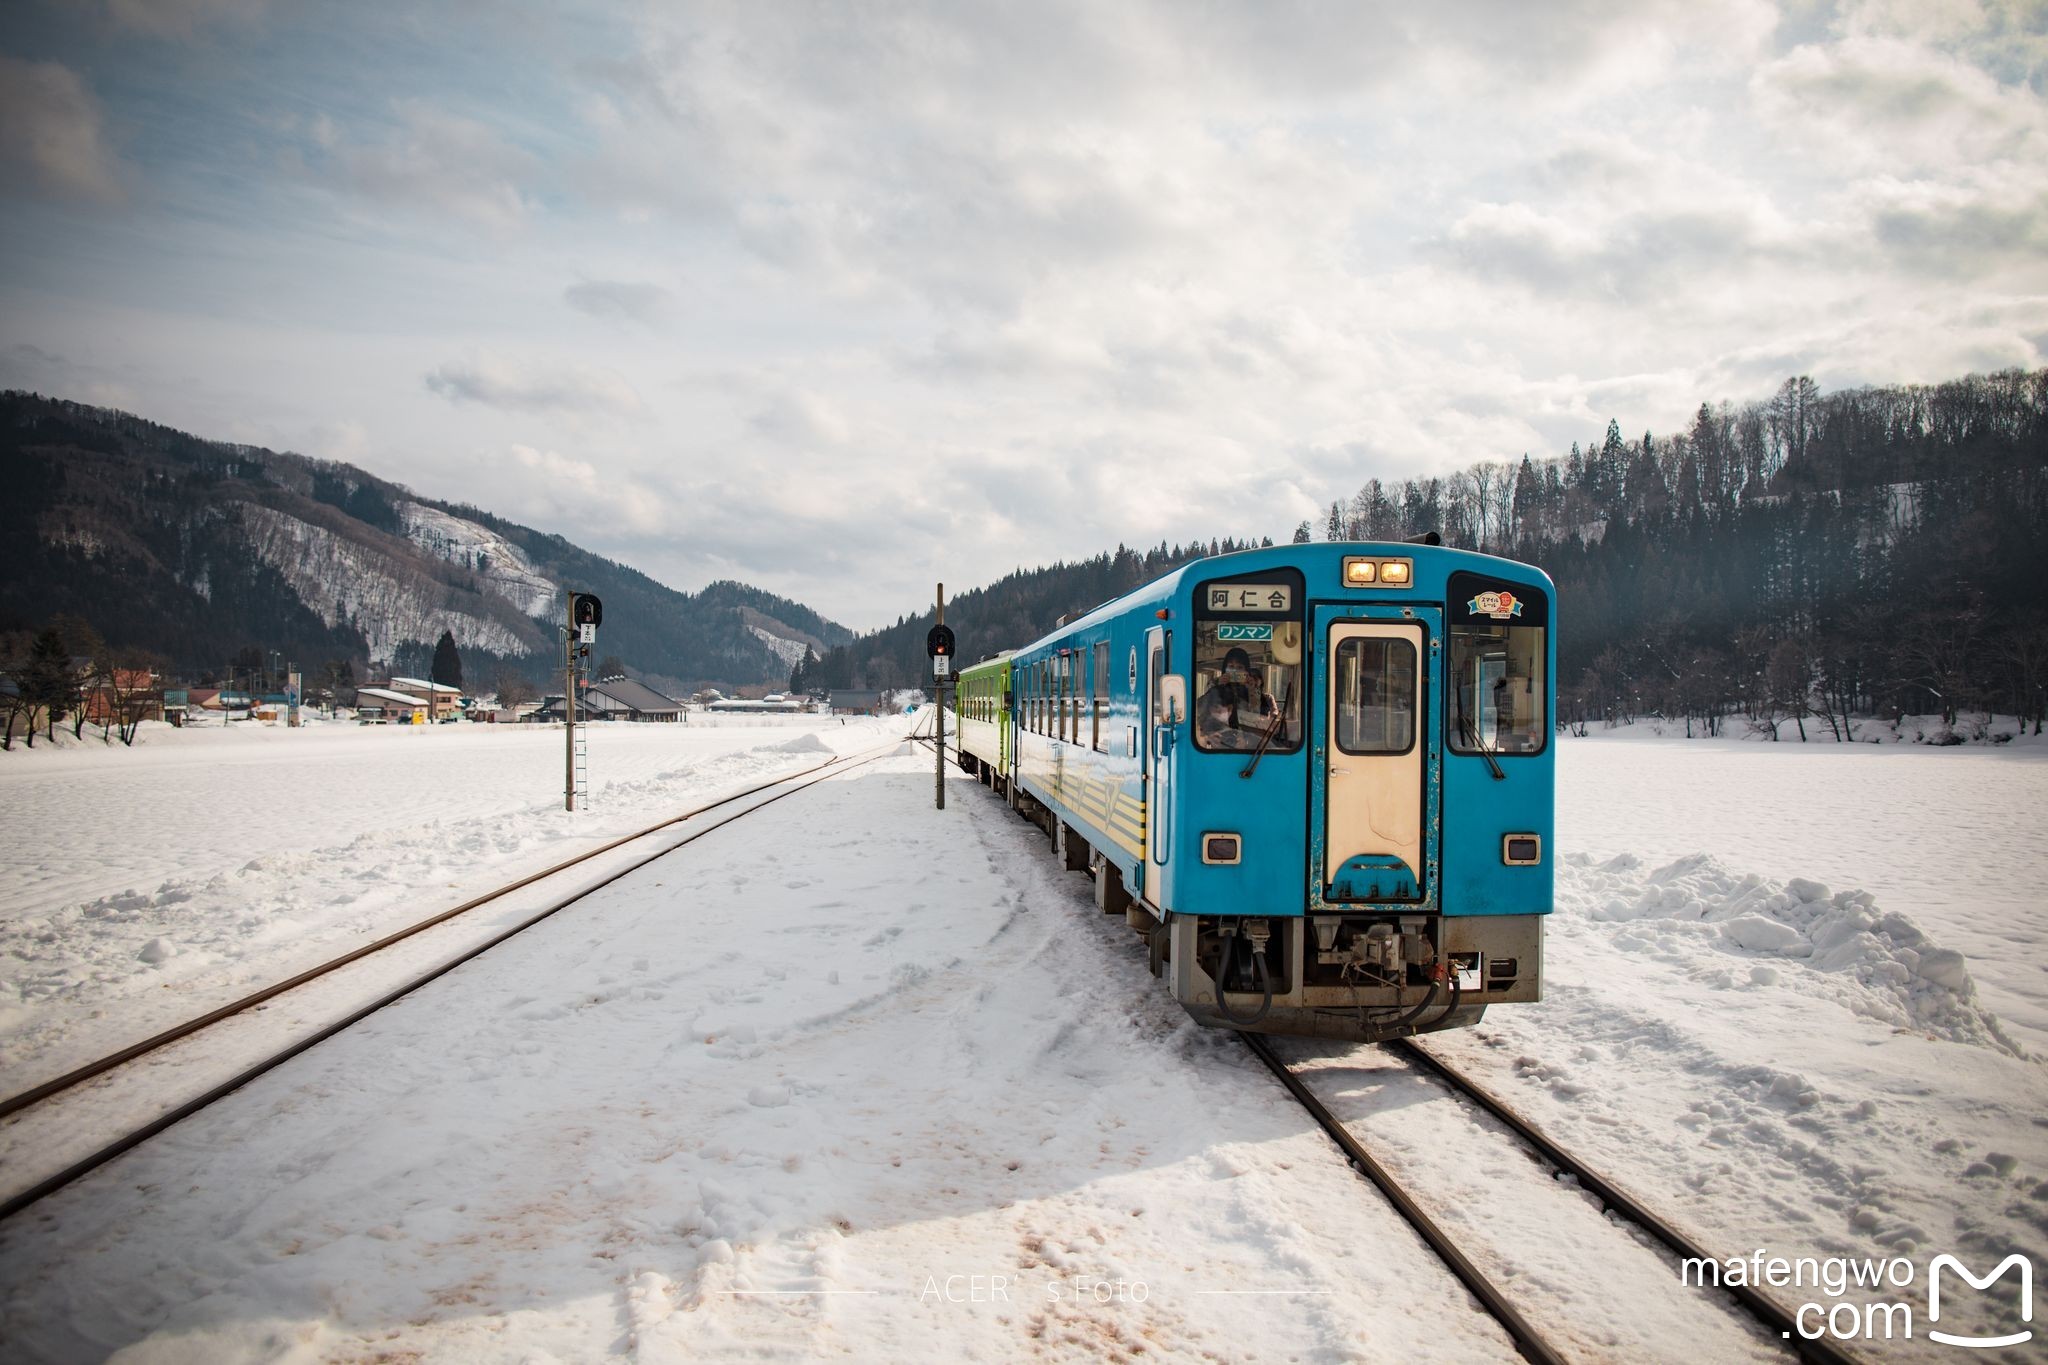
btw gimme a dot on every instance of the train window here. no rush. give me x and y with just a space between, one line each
1077 687
1498 689
1066 696
1056 720
1375 701
1248 677
1101 692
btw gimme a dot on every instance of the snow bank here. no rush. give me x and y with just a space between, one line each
1838 945
806 743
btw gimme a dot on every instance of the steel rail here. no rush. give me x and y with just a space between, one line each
807 778
1527 1340
1760 1305
35 1094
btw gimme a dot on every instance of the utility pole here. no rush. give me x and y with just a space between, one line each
569 707
939 691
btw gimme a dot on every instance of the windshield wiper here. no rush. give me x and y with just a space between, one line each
1279 720
1472 738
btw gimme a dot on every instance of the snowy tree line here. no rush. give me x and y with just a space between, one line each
1808 559
1007 613
1811 558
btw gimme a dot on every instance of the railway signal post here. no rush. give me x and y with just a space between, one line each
939 645
586 614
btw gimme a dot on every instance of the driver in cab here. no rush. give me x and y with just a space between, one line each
1236 711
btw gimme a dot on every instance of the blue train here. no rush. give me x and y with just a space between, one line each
1318 780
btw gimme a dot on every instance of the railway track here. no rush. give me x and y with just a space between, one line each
1529 1340
36 1121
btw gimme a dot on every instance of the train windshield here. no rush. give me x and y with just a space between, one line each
1497 689
1248 685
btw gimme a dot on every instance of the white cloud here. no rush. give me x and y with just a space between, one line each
431 161
556 490
620 300
52 130
982 286
569 388
1897 106
794 418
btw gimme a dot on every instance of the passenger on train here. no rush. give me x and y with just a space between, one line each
1236 710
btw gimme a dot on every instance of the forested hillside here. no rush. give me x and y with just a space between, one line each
1807 557
198 552
1007 613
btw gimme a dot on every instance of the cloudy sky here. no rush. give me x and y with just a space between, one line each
844 299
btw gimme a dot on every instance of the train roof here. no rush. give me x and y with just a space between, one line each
1304 557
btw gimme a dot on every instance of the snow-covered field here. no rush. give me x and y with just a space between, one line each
769 1096
145 885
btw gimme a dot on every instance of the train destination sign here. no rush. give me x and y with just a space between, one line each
1250 597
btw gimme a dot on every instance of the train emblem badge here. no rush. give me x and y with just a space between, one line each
1501 606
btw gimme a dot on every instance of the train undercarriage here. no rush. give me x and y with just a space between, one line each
1359 977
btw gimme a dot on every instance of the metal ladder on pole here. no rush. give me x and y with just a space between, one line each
579 764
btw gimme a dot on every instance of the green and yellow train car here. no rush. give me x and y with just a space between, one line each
981 719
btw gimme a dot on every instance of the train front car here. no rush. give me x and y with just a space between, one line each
1341 756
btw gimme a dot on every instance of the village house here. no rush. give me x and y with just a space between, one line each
388 706
442 701
614 699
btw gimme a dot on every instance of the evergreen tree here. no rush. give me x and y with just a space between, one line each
802 674
46 681
447 666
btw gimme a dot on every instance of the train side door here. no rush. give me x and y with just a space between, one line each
1165 710
1376 841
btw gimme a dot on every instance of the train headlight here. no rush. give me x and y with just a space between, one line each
1223 849
1360 572
1521 850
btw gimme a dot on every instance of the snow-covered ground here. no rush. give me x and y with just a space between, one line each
1951 838
767 1097
145 885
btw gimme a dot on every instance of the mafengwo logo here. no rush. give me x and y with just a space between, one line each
1942 1262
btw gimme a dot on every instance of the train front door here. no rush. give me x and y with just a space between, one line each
1374 839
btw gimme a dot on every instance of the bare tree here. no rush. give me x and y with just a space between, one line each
1477 484
1500 501
88 668
2027 651
15 706
514 688
131 692
1789 682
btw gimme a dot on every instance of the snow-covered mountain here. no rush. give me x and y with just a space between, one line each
348 583
502 566
198 550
